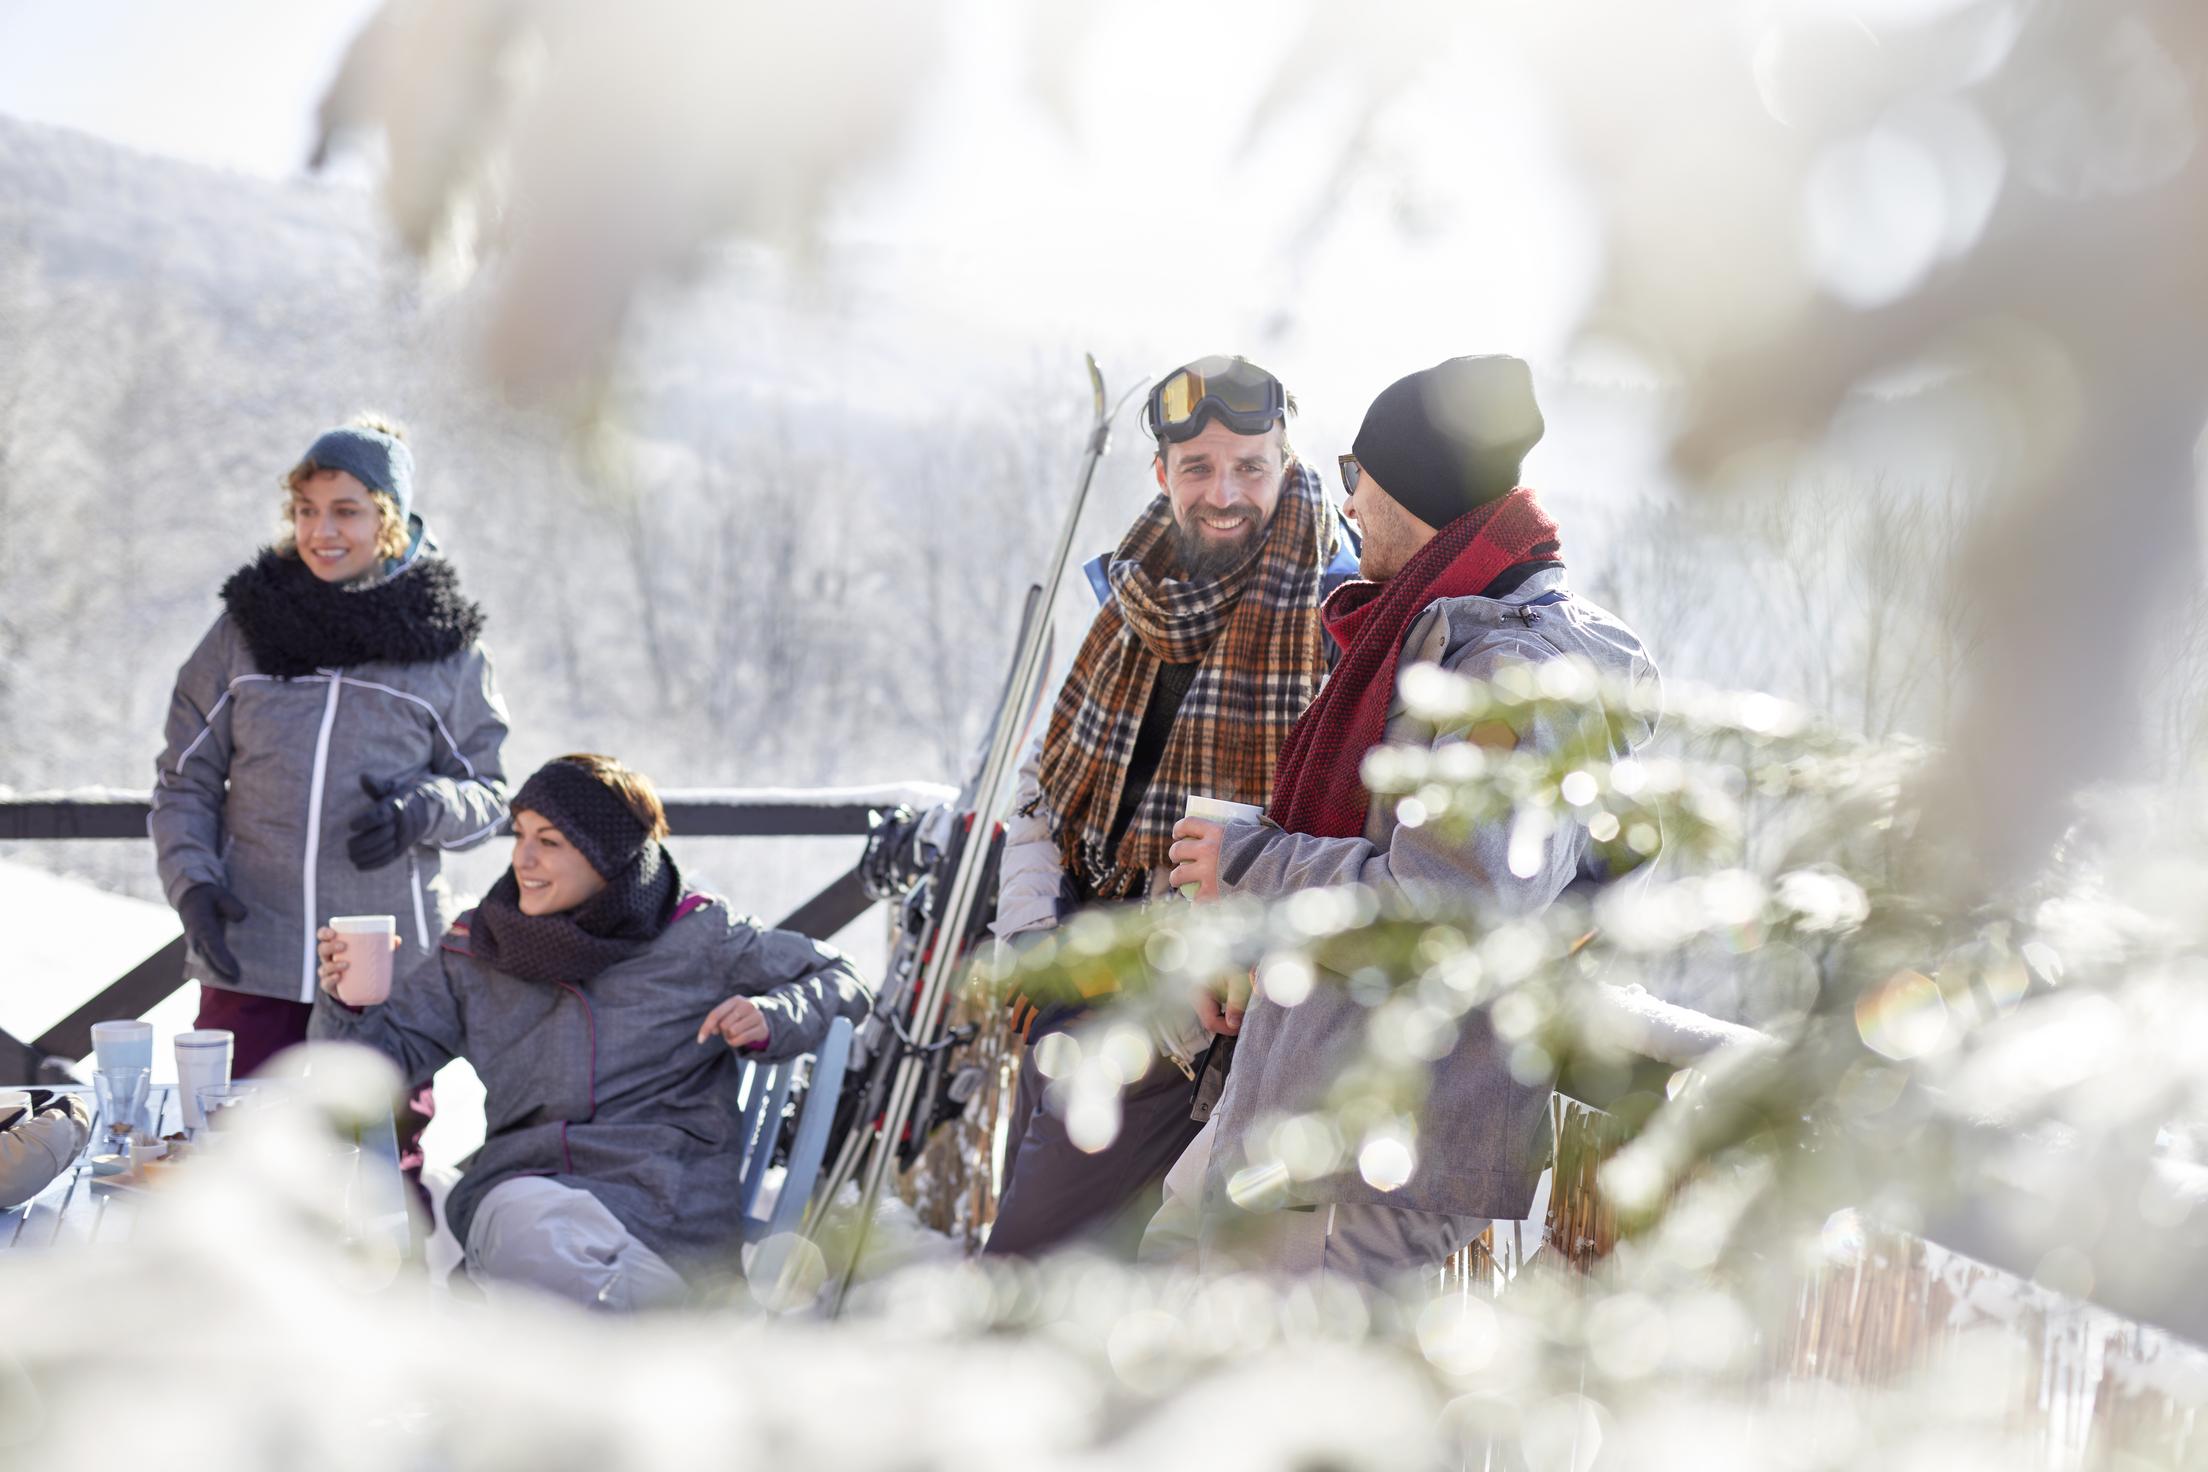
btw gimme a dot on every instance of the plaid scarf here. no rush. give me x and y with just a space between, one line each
1319 788
1254 634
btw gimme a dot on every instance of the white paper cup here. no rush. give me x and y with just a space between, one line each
367 957
127 1043
1217 810
202 1058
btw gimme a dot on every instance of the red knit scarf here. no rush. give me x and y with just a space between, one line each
1317 788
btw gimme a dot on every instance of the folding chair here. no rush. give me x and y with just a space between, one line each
767 1095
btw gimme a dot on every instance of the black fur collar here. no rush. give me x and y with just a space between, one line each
296 624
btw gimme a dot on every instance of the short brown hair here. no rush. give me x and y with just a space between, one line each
392 532
631 786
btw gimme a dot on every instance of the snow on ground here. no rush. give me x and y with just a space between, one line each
62 940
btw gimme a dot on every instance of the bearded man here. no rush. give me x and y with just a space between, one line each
1206 650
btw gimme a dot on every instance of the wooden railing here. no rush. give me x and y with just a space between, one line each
733 812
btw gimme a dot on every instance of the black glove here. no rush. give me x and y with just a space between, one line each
205 910
394 825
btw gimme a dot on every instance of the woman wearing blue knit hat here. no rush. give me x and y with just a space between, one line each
334 734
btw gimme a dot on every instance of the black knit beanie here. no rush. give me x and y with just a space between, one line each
1451 437
588 813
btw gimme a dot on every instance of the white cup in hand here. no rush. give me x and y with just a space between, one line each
1218 810
366 953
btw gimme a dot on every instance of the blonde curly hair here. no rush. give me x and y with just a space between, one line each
392 532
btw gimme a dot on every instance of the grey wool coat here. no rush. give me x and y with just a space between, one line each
601 1084
1482 1136
260 778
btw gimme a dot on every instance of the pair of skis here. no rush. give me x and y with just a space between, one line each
948 860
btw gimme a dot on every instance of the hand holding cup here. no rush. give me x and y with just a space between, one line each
1196 840
355 954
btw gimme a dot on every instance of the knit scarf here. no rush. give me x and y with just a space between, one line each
1253 632
295 624
1318 788
620 921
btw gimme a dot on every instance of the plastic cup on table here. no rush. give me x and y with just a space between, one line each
202 1058
1218 810
367 953
124 1043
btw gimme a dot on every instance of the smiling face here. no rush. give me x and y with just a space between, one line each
1223 487
552 874
336 525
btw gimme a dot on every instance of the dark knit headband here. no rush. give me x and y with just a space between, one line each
588 813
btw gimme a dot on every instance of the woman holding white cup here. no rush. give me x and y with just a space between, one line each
608 1009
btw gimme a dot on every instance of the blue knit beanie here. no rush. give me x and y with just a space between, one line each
379 461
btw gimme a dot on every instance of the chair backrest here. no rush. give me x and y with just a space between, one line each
767 1094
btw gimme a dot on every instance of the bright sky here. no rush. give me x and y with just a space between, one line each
1163 223
1117 220
231 83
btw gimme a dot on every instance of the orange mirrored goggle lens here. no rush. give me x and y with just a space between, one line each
1242 390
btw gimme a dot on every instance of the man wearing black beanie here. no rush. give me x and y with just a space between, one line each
1433 447
1461 569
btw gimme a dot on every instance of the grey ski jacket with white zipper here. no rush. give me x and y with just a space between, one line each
602 1084
261 778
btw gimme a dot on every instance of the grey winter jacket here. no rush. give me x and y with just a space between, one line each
602 1083
260 780
1482 1137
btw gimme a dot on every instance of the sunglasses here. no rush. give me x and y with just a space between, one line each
1352 473
1235 391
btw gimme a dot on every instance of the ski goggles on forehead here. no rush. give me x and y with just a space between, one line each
1234 391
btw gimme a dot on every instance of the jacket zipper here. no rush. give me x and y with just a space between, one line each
1169 1047
314 834
414 881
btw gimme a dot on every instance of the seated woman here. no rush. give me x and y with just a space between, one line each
594 995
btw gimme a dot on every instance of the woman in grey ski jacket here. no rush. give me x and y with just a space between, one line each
604 1006
333 735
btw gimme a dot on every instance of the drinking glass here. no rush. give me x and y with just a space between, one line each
220 1105
121 1095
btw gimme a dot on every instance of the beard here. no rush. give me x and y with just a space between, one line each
1203 556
